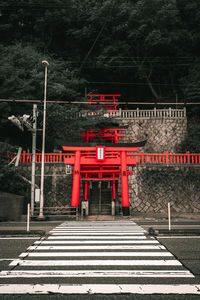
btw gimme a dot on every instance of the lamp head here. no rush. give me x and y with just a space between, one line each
45 62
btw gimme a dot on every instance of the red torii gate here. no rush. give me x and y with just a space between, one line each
105 163
108 134
106 101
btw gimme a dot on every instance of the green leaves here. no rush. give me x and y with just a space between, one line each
22 75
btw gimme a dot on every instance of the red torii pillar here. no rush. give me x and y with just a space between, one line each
124 184
76 180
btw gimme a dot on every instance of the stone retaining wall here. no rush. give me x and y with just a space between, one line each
161 134
57 185
150 188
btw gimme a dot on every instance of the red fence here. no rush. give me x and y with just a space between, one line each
141 158
167 158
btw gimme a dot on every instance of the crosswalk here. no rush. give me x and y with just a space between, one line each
94 256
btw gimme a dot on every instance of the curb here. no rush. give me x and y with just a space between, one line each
23 232
156 232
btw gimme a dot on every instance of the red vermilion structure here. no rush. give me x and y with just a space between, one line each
141 158
100 163
106 102
107 134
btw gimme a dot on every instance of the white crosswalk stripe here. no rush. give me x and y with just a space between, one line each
98 242
94 250
99 237
101 262
100 289
94 273
90 254
107 247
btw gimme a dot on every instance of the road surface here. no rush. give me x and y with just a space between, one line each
106 259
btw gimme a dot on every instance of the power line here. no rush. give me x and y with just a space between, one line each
134 102
135 83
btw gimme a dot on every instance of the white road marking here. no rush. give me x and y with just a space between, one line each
100 227
95 273
158 262
93 233
192 289
97 231
99 242
122 237
19 238
2 259
179 237
86 254
108 237
120 247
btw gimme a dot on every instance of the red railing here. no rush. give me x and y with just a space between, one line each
141 158
166 158
48 158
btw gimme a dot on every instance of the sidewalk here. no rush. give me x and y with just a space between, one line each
20 228
155 225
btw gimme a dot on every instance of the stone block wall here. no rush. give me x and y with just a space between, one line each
57 185
162 134
152 187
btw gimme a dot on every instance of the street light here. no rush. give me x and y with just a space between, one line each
41 215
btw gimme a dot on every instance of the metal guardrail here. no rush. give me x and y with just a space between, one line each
68 211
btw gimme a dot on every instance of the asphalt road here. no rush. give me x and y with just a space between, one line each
185 250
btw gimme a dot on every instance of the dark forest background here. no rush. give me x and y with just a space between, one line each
145 50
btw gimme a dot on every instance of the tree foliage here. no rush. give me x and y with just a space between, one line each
142 49
10 177
147 43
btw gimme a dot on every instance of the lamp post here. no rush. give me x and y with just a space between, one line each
41 215
34 132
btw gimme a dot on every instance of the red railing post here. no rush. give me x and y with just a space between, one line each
167 157
24 156
142 157
60 156
188 157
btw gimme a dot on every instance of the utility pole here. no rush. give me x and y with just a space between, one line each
34 133
41 215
